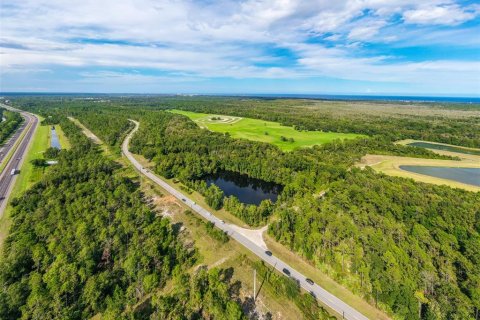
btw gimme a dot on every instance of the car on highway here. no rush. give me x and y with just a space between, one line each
184 200
313 294
268 253
309 281
222 221
286 271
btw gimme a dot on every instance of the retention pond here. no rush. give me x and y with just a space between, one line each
246 189
464 175
55 143
444 148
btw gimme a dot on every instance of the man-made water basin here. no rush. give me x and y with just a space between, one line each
443 147
464 175
55 143
246 189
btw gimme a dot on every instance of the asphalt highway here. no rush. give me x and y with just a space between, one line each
10 142
7 180
339 306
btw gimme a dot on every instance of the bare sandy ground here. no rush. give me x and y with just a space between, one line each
86 131
254 235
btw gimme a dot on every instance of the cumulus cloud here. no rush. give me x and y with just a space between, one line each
227 38
451 14
366 31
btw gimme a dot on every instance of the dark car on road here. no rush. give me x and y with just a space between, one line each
286 271
268 253
313 294
309 281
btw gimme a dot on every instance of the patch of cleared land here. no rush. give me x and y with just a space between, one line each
264 131
86 131
390 109
89 134
391 165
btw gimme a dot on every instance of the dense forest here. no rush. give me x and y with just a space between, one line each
411 247
7 127
408 244
84 242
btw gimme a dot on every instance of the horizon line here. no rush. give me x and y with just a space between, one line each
395 95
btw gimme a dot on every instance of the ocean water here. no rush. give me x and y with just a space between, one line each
391 98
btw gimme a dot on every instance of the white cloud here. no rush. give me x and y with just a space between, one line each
333 37
366 31
227 38
451 14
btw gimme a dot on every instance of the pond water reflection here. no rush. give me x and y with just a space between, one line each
247 190
464 175
444 147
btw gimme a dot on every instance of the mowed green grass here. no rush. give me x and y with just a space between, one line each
266 131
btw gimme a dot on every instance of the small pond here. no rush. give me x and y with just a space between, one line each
55 143
246 189
443 147
465 175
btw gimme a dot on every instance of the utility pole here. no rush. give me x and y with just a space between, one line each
254 284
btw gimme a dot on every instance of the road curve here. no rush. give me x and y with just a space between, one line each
321 294
7 180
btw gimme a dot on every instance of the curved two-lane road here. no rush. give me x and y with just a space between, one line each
321 294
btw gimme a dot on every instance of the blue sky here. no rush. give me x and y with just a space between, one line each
404 47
